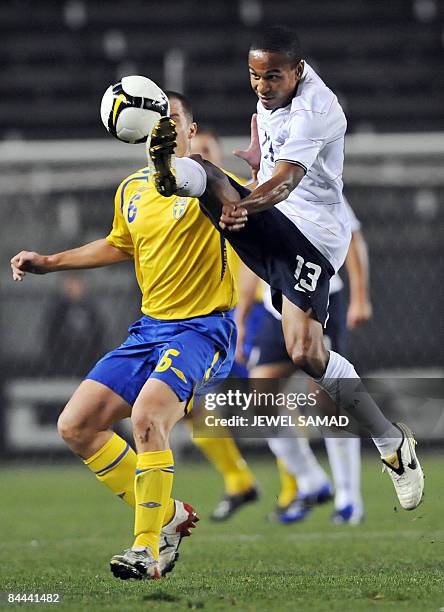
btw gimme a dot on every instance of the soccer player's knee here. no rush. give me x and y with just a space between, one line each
150 421
299 356
71 429
63 427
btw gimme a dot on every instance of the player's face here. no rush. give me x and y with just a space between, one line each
273 78
185 128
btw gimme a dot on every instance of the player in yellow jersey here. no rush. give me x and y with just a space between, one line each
185 338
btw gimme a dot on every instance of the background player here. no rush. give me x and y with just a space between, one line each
185 336
223 453
207 144
296 214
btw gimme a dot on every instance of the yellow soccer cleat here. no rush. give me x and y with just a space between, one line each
162 146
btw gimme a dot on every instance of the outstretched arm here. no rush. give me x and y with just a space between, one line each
92 255
360 308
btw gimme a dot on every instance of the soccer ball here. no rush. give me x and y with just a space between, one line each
131 108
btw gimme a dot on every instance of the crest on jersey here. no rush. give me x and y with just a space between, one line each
179 207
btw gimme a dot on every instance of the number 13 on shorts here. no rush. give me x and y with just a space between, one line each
310 271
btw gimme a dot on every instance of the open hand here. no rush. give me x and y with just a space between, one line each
252 155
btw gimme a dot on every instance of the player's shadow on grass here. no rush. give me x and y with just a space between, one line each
160 596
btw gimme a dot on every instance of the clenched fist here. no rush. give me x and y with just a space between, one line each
28 261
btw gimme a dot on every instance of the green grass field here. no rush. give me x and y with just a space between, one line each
59 528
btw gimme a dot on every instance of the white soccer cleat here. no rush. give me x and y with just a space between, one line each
136 562
405 470
183 521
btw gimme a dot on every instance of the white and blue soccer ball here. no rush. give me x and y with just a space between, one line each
131 108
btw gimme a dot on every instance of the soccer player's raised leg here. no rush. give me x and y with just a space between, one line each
187 175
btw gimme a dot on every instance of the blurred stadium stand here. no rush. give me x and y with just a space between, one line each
383 58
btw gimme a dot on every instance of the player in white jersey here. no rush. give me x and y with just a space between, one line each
292 229
309 132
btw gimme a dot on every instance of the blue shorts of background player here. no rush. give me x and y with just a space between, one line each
187 355
253 326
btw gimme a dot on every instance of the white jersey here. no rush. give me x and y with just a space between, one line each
336 282
310 132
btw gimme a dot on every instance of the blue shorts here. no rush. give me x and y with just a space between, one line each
278 252
253 325
186 354
270 342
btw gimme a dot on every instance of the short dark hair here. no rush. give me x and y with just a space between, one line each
278 39
186 104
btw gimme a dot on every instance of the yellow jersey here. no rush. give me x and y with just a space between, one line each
180 258
234 263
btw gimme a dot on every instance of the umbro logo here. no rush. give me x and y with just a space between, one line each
150 505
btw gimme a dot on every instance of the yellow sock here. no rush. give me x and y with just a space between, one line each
169 512
226 458
114 465
152 485
289 485
120 477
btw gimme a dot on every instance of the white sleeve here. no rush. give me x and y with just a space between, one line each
303 138
355 224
